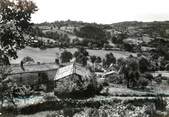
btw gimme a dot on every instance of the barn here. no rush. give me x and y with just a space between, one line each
72 78
33 74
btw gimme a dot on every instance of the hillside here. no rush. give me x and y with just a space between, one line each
132 28
124 35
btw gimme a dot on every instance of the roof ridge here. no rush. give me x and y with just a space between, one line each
18 65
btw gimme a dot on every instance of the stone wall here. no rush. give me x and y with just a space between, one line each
32 78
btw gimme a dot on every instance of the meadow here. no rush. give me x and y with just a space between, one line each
49 55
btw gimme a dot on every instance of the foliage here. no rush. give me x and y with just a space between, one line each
52 35
81 56
148 76
110 59
157 28
108 47
93 34
14 23
158 79
64 41
167 67
128 47
6 85
28 59
160 51
115 79
91 31
98 60
160 102
76 42
121 61
131 71
36 31
144 64
143 82
22 91
66 56
119 38
93 59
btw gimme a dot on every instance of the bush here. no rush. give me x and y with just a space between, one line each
143 64
160 103
66 56
115 78
158 80
168 80
143 82
167 67
148 76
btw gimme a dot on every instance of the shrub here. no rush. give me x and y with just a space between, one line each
168 80
158 80
148 76
160 103
167 67
143 82
66 56
143 64
115 78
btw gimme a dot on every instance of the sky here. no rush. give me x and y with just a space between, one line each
101 11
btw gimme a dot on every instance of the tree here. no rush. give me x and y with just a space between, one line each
98 60
81 56
92 34
75 42
93 59
15 17
110 59
128 47
119 38
66 56
131 72
64 40
28 60
144 64
36 31
120 63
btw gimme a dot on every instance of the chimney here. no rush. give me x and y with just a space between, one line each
22 67
57 61
38 63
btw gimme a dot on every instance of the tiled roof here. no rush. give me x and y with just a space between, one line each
71 69
110 72
15 69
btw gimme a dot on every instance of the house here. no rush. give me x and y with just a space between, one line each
72 81
132 41
73 70
33 74
109 73
105 74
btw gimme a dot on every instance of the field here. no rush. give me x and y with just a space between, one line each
49 55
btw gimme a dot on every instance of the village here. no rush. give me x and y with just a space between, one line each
90 78
81 69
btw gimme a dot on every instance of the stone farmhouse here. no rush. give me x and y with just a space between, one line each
33 74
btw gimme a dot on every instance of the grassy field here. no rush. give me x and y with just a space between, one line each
49 55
